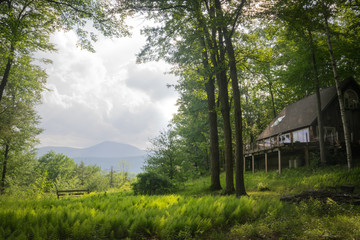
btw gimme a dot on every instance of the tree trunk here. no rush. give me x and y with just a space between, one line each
3 175
340 97
5 77
318 102
225 111
272 99
239 165
214 137
218 60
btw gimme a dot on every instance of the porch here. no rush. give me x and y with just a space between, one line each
279 155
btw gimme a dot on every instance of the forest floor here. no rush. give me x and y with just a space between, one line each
298 204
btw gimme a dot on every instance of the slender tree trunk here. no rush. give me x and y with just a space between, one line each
340 97
5 77
318 102
221 78
239 166
214 137
218 60
272 99
3 175
225 110
171 159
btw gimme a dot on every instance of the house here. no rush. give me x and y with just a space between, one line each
295 128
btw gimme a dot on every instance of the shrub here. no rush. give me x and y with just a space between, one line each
151 184
262 187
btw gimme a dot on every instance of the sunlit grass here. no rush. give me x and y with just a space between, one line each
191 213
119 216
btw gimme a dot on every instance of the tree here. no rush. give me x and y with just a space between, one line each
86 177
57 168
178 43
204 21
164 157
18 126
228 34
311 21
191 122
327 13
212 114
301 21
26 26
150 183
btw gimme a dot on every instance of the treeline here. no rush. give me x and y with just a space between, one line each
239 63
29 175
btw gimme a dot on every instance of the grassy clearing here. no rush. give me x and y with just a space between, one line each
117 216
192 213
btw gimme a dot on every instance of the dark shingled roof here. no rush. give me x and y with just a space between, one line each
300 114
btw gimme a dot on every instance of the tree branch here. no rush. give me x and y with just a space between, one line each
71 6
237 15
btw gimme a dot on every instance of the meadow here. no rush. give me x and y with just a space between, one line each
192 212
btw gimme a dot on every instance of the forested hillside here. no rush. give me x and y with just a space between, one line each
106 155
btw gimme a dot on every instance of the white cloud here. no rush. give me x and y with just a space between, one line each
103 96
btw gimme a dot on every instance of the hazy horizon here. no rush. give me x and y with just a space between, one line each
104 96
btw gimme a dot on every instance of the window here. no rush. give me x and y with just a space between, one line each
267 142
330 135
301 135
285 138
351 99
277 121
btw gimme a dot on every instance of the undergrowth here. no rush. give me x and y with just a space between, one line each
117 216
192 213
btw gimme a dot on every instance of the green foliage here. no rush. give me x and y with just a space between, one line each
57 167
120 215
150 183
166 157
188 215
25 28
60 172
262 187
18 125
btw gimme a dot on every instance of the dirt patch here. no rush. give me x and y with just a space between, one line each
341 194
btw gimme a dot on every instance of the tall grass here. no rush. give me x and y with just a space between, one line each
117 216
192 213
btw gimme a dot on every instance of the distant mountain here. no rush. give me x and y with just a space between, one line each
104 155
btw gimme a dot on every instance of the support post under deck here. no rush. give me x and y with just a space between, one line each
266 162
253 163
307 162
279 160
244 161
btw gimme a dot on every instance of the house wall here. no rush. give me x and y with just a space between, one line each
353 116
332 119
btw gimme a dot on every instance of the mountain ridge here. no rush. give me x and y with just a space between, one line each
105 154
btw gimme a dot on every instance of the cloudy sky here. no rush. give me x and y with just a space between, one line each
104 96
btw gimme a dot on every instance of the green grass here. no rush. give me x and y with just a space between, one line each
192 213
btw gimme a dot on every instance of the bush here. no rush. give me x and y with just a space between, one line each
151 184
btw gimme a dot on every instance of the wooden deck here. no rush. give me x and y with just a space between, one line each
257 149
252 150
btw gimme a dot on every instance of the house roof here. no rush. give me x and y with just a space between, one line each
302 113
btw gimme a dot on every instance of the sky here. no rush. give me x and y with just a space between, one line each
104 96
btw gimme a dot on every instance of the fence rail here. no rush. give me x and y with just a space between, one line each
73 192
